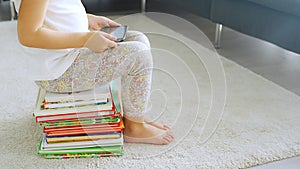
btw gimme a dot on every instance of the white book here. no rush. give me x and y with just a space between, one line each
64 111
53 105
39 111
98 93
83 144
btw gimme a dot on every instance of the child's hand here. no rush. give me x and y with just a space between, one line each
100 41
98 22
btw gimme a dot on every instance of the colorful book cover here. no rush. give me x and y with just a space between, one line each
54 114
71 133
63 111
116 97
82 131
84 144
55 105
81 155
81 122
76 116
84 137
117 125
86 152
111 149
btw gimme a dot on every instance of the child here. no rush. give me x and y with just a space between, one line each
71 58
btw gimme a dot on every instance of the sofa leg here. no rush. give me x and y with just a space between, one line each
218 34
143 7
12 10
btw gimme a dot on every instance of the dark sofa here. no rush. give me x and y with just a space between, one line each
275 21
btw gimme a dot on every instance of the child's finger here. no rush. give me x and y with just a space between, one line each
96 27
109 36
113 23
112 44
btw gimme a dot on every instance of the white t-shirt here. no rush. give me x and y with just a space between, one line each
61 15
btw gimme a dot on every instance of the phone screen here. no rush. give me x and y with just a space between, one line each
119 32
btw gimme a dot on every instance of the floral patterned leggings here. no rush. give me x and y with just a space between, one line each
131 60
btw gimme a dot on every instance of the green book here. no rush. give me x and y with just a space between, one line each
110 149
80 155
85 121
115 96
81 152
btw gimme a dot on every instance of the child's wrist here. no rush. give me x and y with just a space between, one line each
87 37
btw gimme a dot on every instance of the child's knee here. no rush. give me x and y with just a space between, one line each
137 52
141 55
144 54
138 36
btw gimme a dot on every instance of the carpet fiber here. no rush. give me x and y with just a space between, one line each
260 122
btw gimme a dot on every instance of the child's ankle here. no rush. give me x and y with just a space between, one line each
133 123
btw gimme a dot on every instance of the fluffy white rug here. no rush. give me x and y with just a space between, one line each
260 123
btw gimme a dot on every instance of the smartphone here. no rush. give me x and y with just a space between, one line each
118 31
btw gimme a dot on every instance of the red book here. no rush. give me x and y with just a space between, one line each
81 130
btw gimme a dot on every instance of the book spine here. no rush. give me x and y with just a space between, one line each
74 116
80 132
83 127
98 93
81 155
82 138
82 122
53 105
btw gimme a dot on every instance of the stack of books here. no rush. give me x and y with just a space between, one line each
80 124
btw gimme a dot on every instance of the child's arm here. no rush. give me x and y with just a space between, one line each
32 33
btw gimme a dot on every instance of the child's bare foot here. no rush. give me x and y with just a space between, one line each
156 124
143 132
